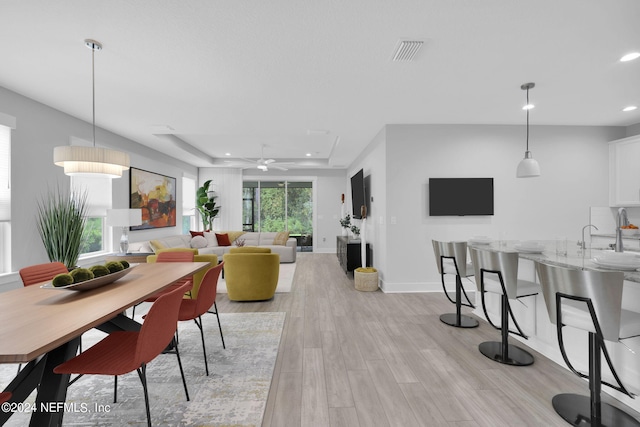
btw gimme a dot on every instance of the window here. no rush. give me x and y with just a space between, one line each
188 204
279 206
5 198
98 191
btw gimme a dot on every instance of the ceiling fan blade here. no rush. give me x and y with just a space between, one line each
266 162
279 167
247 160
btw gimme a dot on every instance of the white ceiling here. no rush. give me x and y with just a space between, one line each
305 76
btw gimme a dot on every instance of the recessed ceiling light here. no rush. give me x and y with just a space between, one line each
227 154
630 57
629 108
528 107
308 154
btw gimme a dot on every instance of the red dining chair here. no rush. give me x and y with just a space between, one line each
41 272
193 309
5 396
122 352
169 256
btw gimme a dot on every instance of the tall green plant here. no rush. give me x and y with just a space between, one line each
206 205
61 220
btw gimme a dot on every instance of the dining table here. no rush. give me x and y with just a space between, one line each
42 325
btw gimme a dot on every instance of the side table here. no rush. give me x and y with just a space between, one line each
131 258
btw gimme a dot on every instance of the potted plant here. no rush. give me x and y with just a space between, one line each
345 223
61 220
206 205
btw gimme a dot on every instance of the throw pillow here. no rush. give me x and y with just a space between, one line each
196 233
199 242
212 242
223 239
281 238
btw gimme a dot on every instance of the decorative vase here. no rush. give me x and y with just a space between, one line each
345 232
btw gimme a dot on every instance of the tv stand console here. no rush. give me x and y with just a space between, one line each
349 253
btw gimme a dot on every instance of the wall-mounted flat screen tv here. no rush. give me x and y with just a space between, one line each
358 198
460 196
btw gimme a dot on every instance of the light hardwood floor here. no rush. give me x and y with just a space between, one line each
350 358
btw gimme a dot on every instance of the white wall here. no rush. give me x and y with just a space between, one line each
40 128
574 177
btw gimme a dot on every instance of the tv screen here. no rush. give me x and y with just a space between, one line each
460 196
357 193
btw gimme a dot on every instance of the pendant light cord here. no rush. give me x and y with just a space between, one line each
528 119
93 93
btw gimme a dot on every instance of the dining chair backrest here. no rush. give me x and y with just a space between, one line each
41 272
5 396
455 250
159 325
208 289
602 288
170 256
487 261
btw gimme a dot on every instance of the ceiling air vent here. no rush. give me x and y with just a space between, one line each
407 50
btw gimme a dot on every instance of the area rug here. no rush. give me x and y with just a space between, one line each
285 279
234 393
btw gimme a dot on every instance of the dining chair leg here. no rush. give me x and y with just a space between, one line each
198 323
142 373
184 381
219 326
115 389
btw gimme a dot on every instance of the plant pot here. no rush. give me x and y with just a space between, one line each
366 279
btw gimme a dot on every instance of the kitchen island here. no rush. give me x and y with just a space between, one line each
532 316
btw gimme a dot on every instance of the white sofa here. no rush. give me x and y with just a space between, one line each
287 252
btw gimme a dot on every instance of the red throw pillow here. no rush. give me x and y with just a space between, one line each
223 239
196 233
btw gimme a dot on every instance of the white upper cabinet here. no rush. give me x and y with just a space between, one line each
624 172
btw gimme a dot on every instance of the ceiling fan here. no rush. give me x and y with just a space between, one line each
264 164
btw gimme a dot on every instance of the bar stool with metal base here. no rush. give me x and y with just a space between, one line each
504 265
591 301
451 258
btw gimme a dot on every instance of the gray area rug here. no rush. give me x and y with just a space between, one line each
234 393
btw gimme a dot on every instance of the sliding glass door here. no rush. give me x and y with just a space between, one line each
279 206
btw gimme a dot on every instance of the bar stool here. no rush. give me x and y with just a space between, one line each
451 258
504 265
591 301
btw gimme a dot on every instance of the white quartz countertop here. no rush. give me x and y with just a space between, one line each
574 258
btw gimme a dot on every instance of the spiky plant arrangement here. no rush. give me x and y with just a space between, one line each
61 219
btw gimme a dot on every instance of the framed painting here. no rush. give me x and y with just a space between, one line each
155 195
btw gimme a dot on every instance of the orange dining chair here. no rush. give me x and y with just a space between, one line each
170 257
193 309
41 272
5 396
122 352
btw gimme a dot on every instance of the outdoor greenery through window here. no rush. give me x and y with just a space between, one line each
279 206
98 191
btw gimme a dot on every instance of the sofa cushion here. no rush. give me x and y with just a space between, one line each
199 242
212 242
281 238
223 239
196 233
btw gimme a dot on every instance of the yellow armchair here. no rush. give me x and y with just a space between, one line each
212 259
251 276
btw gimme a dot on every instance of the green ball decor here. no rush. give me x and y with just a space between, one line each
99 270
81 275
125 264
63 279
114 266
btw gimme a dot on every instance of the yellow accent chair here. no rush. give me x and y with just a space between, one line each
212 259
251 273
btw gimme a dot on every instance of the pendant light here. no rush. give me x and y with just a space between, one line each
528 167
91 160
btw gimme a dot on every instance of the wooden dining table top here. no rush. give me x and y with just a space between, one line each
35 320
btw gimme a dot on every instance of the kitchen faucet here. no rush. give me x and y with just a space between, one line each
583 244
621 220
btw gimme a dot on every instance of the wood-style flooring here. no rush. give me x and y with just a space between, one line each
350 358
